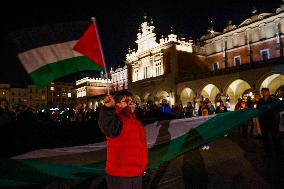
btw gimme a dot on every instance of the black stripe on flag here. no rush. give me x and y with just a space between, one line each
30 38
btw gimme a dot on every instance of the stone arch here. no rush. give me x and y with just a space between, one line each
147 97
260 80
273 82
202 86
210 91
162 95
227 84
280 92
235 90
187 95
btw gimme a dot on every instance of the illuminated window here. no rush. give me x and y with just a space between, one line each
158 68
264 54
216 66
146 72
135 75
83 93
237 60
78 94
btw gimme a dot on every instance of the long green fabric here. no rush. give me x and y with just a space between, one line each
23 172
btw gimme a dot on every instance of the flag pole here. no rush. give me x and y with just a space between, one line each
101 49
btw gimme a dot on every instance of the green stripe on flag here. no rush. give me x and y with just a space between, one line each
44 75
222 123
25 171
170 150
7 182
214 128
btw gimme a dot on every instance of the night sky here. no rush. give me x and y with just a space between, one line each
118 24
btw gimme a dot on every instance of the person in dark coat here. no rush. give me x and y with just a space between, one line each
165 107
189 110
269 122
221 108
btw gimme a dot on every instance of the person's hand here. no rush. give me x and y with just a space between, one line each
132 106
109 101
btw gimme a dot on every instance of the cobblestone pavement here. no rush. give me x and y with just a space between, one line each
231 162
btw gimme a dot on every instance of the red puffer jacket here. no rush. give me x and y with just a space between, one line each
127 154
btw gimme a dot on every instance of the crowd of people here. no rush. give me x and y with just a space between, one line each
180 111
46 116
150 112
143 112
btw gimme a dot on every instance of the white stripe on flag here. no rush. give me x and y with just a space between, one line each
38 57
176 128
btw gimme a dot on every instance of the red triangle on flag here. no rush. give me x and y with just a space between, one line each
89 45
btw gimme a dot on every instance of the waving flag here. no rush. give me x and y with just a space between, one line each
166 140
46 52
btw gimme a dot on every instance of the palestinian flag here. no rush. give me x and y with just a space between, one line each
47 52
166 140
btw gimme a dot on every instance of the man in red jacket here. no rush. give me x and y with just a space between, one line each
127 154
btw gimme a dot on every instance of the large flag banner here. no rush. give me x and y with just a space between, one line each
166 140
47 53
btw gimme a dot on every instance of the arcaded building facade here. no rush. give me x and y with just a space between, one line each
154 67
229 64
242 59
